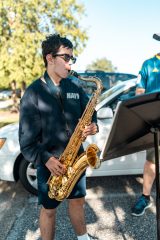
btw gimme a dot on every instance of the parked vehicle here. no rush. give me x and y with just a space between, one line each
5 94
14 166
109 79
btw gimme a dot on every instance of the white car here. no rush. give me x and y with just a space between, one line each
14 166
5 94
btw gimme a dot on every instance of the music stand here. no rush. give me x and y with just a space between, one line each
135 127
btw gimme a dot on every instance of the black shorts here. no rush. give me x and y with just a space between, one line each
43 174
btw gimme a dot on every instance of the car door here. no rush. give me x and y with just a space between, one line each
125 165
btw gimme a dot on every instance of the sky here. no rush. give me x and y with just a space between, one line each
122 31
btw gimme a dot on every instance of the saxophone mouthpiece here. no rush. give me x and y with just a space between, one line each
73 73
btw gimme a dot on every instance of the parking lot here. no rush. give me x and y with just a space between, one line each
108 206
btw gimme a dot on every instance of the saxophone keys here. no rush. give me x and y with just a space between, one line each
70 171
64 180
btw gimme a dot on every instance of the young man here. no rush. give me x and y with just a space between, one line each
49 112
149 79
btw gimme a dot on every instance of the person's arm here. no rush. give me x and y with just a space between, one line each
142 79
30 129
140 91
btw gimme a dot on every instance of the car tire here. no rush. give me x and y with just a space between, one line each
27 175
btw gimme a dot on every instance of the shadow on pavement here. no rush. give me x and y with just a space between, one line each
108 212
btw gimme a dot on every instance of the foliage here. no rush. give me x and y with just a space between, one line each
102 64
24 24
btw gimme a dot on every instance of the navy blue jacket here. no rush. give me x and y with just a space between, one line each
46 123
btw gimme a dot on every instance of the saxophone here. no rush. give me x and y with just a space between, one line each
60 187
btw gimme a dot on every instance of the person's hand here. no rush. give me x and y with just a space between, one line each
55 167
91 129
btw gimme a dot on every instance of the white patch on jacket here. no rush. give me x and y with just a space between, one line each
72 95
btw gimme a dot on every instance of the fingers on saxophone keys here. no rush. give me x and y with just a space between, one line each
91 129
59 169
83 138
87 131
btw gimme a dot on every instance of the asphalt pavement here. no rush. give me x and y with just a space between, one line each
108 212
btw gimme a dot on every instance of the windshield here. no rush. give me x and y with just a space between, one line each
109 80
110 92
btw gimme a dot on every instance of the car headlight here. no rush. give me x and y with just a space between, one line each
2 141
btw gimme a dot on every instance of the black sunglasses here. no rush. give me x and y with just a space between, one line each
66 57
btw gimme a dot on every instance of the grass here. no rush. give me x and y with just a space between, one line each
6 117
2 124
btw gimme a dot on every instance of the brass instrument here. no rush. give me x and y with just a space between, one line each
60 187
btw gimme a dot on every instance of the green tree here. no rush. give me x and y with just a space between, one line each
102 64
24 24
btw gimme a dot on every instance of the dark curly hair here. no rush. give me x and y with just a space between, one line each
52 43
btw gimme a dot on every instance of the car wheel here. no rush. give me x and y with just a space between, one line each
28 176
